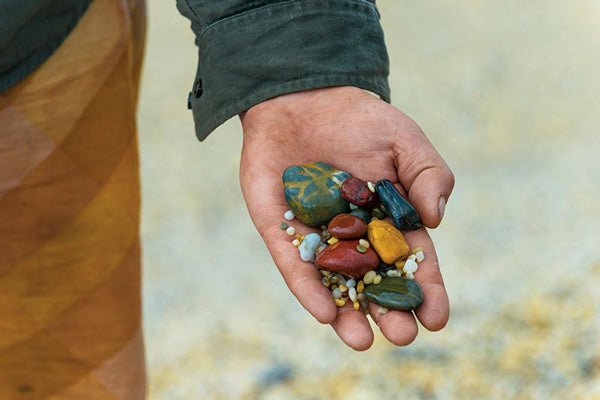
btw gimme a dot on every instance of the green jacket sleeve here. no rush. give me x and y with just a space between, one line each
250 51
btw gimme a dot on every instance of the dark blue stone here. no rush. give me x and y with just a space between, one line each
403 214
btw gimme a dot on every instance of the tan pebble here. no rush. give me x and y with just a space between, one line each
356 306
382 310
296 242
343 288
299 236
416 250
360 286
333 240
364 243
399 264
290 230
325 272
377 280
340 302
369 276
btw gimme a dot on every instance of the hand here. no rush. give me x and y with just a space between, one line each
356 132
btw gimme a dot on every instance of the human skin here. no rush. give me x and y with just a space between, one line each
356 132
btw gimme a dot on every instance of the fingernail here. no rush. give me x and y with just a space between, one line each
442 207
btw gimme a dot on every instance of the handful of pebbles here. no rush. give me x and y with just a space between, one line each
362 256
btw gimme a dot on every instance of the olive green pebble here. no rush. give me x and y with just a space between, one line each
283 226
377 213
395 293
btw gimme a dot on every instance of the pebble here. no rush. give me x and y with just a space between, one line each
360 296
340 302
333 240
290 230
356 191
399 264
343 288
342 257
402 213
364 243
313 192
361 249
396 293
371 186
387 241
377 213
360 286
369 276
420 256
347 226
382 310
351 283
283 226
410 267
325 280
356 305
362 214
393 272
352 294
377 280
289 215
336 293
353 206
309 246
296 242
321 247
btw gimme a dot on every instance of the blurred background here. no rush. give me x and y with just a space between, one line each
509 93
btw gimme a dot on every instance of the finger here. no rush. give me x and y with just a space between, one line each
353 328
266 204
435 310
399 327
424 174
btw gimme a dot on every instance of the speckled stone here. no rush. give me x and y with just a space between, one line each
395 293
313 192
356 191
347 226
402 213
343 257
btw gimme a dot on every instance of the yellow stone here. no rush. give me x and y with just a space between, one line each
340 302
387 241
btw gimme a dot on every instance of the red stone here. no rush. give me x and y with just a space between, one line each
357 191
346 226
343 257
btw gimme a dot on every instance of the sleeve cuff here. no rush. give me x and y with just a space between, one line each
286 47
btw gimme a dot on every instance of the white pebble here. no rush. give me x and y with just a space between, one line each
382 310
409 275
351 283
289 215
377 280
353 206
296 242
420 256
352 294
412 257
364 243
290 231
393 273
410 266
336 293
371 186
369 277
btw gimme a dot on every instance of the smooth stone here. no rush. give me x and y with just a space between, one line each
356 191
343 257
395 293
313 192
402 213
309 246
363 214
347 226
387 241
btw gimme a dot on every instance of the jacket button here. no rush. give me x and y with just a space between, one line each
198 88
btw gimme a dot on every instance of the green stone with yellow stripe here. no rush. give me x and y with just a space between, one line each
313 192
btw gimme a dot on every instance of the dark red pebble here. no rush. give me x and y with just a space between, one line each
357 191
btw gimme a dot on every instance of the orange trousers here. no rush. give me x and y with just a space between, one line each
70 307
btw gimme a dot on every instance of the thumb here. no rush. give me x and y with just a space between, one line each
424 175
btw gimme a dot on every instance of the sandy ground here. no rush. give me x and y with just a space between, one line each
509 92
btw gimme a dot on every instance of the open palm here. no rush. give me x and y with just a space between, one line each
356 132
